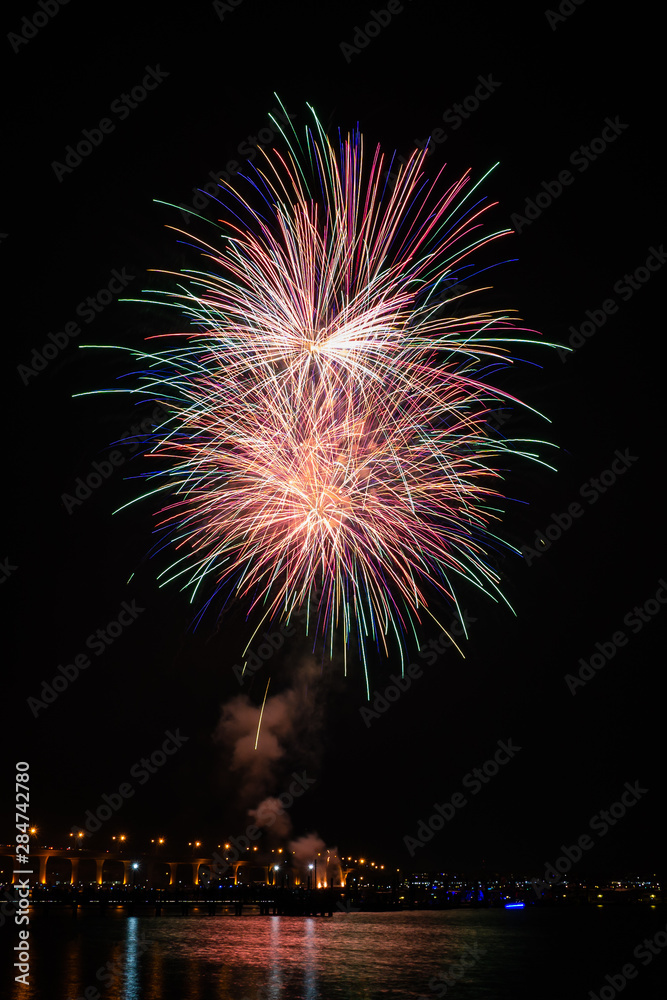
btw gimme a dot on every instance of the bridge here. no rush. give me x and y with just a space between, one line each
151 868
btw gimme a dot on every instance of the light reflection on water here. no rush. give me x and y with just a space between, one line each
357 956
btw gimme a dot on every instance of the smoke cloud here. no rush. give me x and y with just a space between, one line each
270 814
289 731
311 850
305 849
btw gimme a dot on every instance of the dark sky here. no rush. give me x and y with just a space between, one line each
553 85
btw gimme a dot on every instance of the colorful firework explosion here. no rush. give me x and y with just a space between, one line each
329 441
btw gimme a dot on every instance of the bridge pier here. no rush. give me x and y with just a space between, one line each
42 859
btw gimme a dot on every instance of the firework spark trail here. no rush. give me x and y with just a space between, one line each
259 722
329 418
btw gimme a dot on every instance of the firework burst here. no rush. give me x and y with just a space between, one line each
328 429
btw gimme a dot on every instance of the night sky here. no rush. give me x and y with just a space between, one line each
553 85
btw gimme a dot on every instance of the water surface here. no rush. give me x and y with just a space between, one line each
536 953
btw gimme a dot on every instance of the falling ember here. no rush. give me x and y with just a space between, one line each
329 436
262 712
